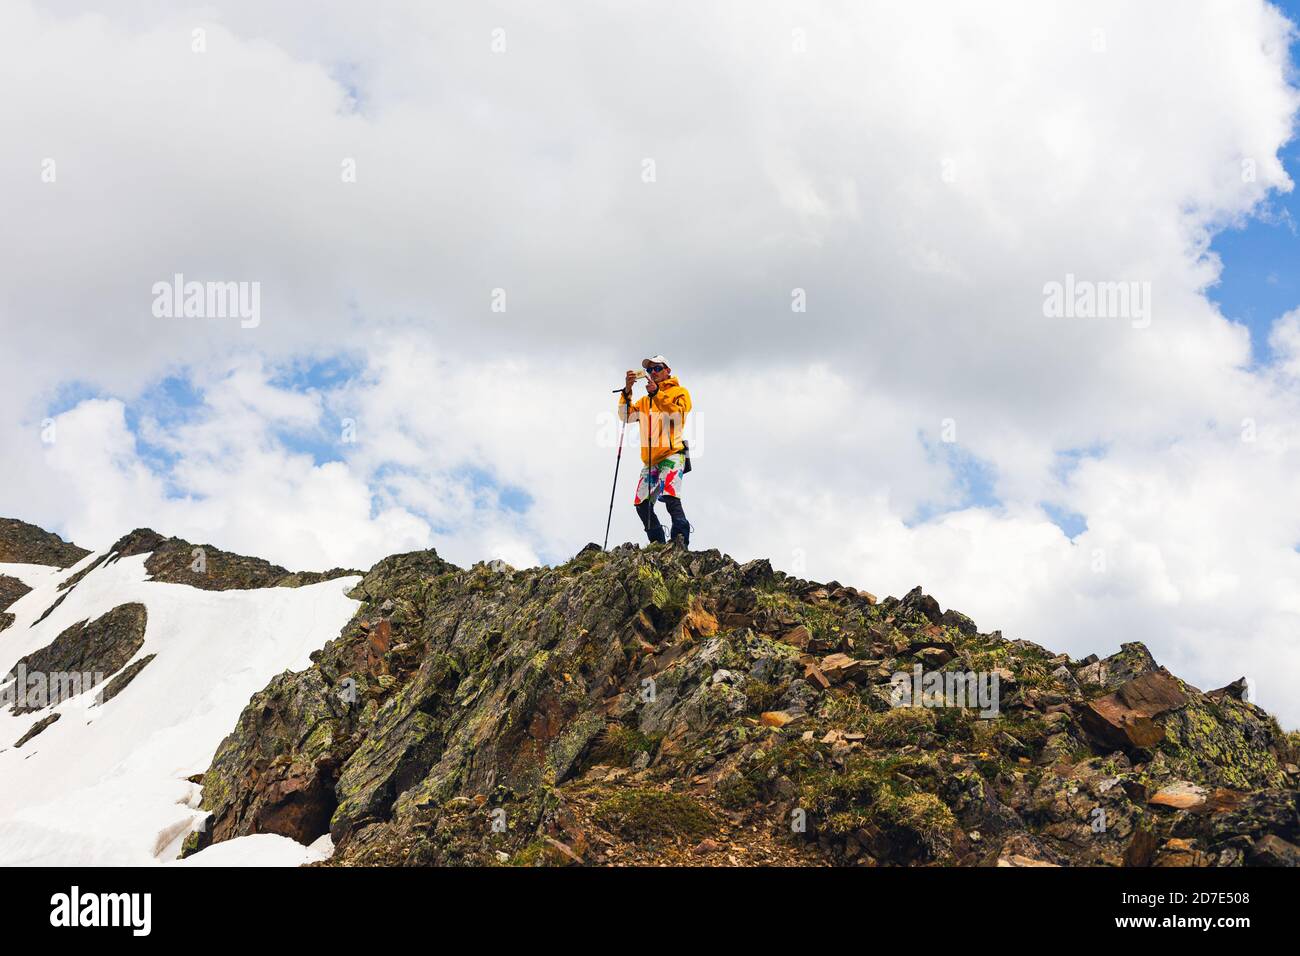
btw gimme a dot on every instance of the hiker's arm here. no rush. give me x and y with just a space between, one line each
628 411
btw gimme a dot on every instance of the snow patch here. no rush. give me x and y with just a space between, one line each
106 785
260 849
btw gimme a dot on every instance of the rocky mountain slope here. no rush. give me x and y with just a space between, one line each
120 673
650 706
23 543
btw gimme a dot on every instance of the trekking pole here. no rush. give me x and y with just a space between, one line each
618 460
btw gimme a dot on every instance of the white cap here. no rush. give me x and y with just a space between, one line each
654 360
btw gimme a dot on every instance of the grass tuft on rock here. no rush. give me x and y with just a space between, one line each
619 746
653 814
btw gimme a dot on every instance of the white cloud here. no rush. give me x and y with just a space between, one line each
243 489
1285 341
921 171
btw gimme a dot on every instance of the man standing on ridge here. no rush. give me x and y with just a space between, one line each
664 453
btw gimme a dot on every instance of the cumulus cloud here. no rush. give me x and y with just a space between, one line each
629 181
1285 340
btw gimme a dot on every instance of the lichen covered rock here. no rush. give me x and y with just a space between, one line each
82 657
11 589
652 705
23 543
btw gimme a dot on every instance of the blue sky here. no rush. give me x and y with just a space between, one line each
1261 262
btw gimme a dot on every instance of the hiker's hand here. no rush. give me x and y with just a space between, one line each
650 386
631 380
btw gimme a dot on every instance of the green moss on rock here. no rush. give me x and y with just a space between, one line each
643 814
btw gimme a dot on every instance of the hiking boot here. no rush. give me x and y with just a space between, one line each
681 529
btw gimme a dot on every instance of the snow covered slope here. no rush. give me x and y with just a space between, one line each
106 784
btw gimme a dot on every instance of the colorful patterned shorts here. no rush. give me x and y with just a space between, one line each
665 478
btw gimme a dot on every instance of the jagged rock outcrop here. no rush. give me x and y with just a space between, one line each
36 729
81 657
202 566
11 589
90 653
23 543
1127 718
212 569
651 705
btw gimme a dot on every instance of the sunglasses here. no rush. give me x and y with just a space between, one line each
656 368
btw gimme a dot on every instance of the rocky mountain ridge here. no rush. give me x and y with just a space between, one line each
646 705
23 543
649 706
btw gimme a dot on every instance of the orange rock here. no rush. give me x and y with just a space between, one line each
1126 717
1181 796
813 673
699 621
797 636
1180 853
838 667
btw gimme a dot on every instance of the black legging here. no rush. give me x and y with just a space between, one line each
654 530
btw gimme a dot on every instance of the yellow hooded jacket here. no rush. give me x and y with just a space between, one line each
666 413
